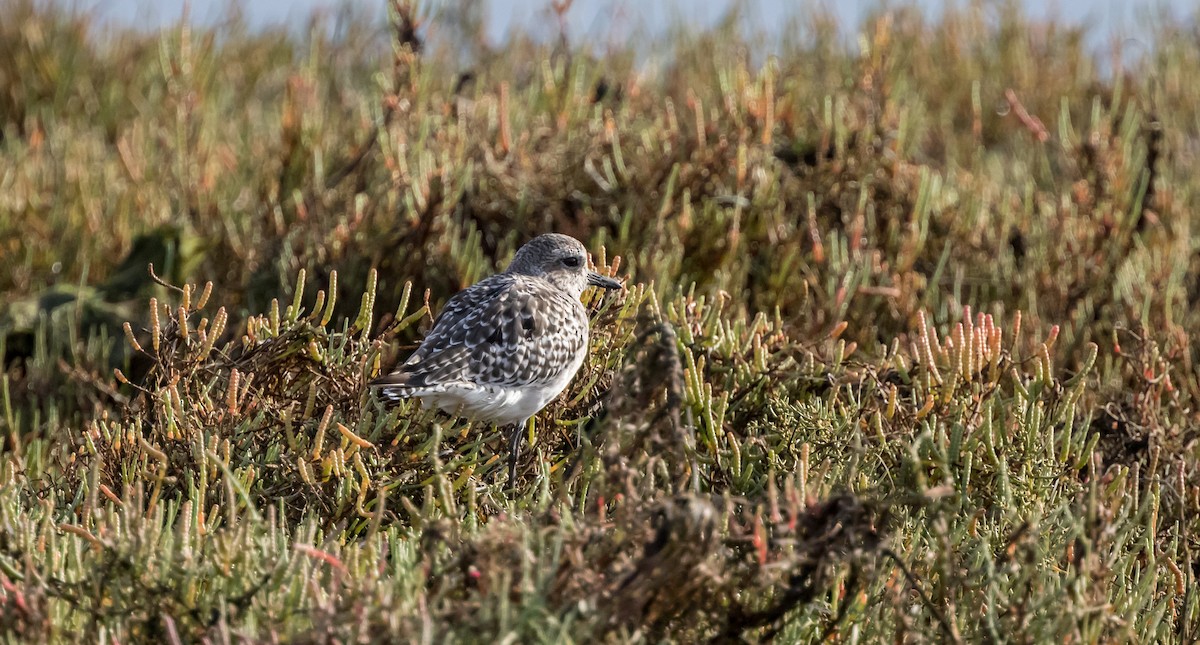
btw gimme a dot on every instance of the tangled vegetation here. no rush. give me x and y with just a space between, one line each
905 354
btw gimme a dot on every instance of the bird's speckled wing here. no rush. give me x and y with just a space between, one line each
506 330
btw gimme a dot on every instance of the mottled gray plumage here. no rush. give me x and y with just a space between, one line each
506 346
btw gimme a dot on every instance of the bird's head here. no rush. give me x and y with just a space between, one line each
560 260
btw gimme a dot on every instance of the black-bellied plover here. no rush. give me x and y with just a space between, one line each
506 346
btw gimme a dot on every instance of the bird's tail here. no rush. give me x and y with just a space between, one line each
395 379
393 388
394 395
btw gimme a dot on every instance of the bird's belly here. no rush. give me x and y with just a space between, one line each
500 405
503 405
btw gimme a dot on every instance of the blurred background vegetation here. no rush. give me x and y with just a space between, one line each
905 356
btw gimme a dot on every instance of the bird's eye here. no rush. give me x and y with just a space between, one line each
572 261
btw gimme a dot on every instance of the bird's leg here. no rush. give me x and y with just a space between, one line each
514 452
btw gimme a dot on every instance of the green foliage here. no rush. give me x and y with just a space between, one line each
905 354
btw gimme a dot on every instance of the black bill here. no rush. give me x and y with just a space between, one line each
602 281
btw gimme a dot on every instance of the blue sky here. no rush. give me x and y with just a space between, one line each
596 19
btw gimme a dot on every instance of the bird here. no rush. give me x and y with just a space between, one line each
503 348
